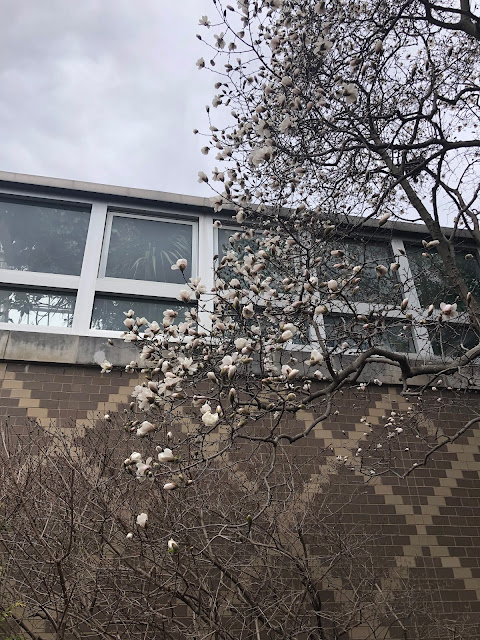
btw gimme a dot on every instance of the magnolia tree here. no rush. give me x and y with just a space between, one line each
343 120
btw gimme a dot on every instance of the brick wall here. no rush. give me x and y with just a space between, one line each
428 525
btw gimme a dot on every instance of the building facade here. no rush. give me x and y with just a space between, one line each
74 256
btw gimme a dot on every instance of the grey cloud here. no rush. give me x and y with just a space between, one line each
104 90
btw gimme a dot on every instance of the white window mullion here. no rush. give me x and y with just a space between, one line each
419 333
91 260
206 251
35 279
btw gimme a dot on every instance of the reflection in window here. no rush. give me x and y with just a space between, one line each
39 308
44 238
367 255
238 248
142 249
108 312
391 334
431 282
453 339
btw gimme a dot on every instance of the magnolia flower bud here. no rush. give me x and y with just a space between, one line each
180 264
170 486
332 285
129 536
404 304
142 519
384 219
172 546
381 270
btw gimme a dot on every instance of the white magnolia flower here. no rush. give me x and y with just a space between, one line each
448 310
350 93
260 155
288 372
145 428
204 22
248 311
142 519
316 358
217 203
332 285
180 264
143 468
202 177
184 295
381 270
286 123
166 456
145 397
134 458
200 63
220 42
129 536
106 366
172 546
210 419
205 150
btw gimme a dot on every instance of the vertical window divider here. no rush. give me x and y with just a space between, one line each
90 265
205 255
419 333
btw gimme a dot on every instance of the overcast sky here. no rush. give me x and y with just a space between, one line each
105 91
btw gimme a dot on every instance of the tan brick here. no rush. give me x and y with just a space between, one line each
20 393
383 489
37 412
12 384
462 572
450 562
29 402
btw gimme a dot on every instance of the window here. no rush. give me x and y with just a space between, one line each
39 308
390 333
108 312
139 248
430 280
368 256
453 339
46 237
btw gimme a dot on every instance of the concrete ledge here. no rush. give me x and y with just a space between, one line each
22 346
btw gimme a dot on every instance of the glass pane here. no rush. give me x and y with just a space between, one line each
430 279
368 256
40 308
452 340
46 238
147 249
238 247
108 312
391 334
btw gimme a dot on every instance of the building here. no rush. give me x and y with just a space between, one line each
74 256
